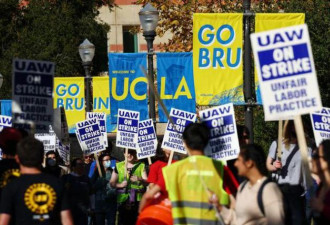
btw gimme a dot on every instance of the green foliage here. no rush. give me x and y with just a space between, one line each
52 31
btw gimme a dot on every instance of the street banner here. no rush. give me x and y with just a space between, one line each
102 120
101 100
127 129
32 102
5 121
128 86
48 139
5 107
175 76
321 125
271 21
90 136
286 72
70 93
217 58
64 152
147 139
223 143
173 134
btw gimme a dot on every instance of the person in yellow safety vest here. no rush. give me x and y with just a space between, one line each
130 188
190 181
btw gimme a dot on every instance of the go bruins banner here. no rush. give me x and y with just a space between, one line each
176 82
128 86
101 99
271 21
217 58
69 92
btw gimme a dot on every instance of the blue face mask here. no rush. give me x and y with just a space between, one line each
107 164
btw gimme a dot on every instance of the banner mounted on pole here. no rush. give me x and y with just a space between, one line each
128 86
271 21
70 93
175 82
101 99
286 71
217 58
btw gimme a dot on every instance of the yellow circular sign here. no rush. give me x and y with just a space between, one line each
40 198
7 176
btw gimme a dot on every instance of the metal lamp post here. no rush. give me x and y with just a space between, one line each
87 52
1 80
248 79
149 18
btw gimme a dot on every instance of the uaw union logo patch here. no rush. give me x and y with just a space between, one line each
7 176
40 198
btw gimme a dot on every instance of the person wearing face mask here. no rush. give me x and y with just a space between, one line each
105 195
79 189
52 166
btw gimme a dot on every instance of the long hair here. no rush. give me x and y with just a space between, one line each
289 134
101 157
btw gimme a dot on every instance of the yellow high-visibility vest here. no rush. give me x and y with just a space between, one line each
190 201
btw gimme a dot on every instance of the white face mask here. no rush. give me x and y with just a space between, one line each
107 164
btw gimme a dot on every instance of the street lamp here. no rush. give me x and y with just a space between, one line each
149 19
87 52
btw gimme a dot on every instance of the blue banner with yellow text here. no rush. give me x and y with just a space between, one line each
128 85
175 82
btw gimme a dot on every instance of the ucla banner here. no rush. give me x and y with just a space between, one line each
101 99
271 21
5 107
176 82
70 94
128 86
217 55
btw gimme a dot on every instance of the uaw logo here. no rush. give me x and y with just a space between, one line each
7 176
40 198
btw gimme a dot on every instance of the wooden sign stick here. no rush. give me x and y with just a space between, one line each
303 149
279 140
97 164
149 161
125 172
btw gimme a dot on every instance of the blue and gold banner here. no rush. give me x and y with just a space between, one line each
175 82
101 100
218 66
69 92
128 85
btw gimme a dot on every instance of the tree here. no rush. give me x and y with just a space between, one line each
52 31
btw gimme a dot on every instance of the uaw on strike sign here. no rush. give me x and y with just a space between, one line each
33 94
321 125
286 72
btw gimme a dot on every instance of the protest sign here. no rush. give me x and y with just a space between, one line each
5 121
64 152
32 105
147 139
321 125
102 120
48 139
127 125
286 72
89 136
173 133
223 143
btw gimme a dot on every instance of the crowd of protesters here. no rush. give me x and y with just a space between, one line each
36 188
